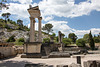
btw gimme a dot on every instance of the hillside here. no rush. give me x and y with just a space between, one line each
12 28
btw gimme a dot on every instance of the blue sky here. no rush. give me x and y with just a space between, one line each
68 16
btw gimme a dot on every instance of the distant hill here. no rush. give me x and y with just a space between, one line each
12 28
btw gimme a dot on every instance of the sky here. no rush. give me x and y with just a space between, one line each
67 16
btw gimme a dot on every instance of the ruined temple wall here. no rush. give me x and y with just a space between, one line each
7 51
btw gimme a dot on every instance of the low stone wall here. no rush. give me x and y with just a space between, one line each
19 49
7 51
74 48
59 55
46 48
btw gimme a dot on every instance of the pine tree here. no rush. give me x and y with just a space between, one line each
91 41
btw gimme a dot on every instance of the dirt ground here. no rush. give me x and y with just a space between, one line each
20 62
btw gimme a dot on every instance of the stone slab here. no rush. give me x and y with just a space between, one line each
34 55
37 65
75 65
62 66
32 47
59 55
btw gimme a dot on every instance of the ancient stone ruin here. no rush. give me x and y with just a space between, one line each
33 48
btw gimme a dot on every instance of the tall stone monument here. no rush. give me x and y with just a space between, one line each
35 13
60 37
33 48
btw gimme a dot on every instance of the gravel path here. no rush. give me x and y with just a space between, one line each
20 62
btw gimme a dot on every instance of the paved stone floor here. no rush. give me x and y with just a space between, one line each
20 62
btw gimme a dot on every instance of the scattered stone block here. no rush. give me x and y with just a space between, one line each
75 65
92 63
62 65
38 65
44 57
59 55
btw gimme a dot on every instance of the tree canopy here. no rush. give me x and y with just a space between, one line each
91 41
66 41
6 16
3 5
86 38
48 28
80 42
73 37
19 22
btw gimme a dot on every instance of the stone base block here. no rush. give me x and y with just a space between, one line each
75 65
38 65
32 47
34 55
62 65
44 57
59 55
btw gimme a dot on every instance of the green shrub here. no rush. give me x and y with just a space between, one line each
96 39
66 41
80 42
11 39
46 40
21 40
6 26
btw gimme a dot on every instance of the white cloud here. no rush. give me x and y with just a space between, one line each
61 8
23 1
49 18
68 8
20 10
64 28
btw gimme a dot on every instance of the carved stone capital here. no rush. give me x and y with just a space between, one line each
40 18
32 18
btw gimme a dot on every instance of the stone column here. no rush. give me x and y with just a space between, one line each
39 30
32 29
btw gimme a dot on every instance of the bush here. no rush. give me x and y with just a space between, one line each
21 40
96 39
80 42
67 41
46 40
11 39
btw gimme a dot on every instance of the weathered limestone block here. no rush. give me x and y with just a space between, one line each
34 47
38 65
92 63
62 65
44 57
58 55
75 65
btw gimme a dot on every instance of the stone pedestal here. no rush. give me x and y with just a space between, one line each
32 47
32 50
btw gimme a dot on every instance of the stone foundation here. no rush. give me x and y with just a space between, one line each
32 50
32 47
59 55
33 55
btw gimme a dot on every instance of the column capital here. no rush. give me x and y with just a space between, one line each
40 18
31 18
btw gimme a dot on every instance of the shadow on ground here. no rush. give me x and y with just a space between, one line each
21 64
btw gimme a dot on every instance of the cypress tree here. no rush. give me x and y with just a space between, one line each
91 41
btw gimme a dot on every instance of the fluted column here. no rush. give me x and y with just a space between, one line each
32 29
39 30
